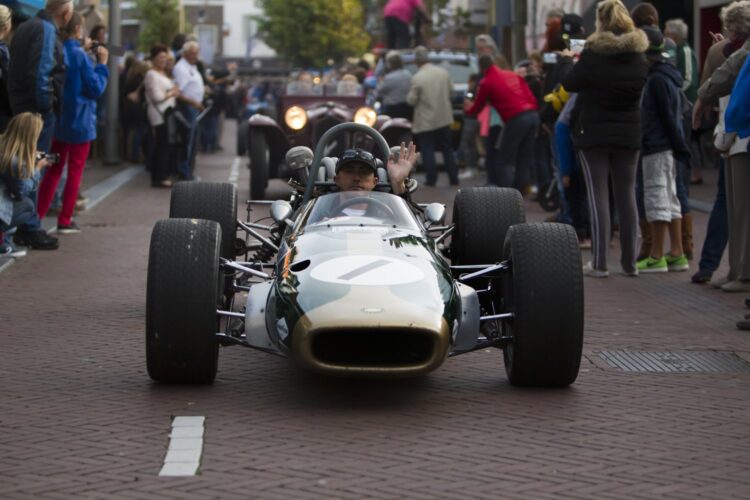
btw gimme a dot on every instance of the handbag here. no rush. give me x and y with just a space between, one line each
176 124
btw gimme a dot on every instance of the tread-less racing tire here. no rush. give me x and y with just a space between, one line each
182 294
482 216
216 201
242 130
544 290
259 166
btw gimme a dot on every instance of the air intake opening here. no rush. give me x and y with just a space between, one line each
372 347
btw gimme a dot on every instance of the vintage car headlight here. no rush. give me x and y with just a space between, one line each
366 116
295 118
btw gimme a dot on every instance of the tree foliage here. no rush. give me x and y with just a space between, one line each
310 32
161 22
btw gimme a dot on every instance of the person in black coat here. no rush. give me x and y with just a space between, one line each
609 78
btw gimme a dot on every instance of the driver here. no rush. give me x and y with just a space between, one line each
356 170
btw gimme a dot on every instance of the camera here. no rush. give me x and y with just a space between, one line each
51 158
114 50
549 58
576 46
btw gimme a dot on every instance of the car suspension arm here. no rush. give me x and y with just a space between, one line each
502 266
255 234
244 269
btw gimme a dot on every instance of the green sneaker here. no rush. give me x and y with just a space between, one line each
677 263
651 265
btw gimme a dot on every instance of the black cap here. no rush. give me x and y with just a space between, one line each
359 156
656 50
572 26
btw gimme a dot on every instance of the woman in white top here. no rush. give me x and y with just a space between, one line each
160 96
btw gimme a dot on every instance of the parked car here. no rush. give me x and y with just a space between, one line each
306 112
372 292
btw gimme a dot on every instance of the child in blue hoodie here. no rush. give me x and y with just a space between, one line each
662 145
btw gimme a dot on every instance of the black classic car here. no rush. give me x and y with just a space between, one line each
307 110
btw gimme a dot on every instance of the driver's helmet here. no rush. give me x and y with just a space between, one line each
357 155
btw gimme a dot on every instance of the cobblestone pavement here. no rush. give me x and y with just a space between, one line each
79 417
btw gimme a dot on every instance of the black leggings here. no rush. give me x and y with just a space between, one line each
162 158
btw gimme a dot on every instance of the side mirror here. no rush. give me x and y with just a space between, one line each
299 159
280 211
434 213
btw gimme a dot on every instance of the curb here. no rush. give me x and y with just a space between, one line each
96 194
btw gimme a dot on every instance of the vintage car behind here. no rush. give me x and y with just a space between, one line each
361 283
305 112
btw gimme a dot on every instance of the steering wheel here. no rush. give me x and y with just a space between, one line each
370 202
323 142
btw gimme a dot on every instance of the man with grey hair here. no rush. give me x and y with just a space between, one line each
430 94
394 87
484 44
677 31
192 90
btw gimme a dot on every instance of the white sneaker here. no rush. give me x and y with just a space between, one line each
588 270
466 173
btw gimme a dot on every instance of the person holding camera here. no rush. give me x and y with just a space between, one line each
76 129
20 163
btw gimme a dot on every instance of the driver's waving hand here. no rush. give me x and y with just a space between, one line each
356 170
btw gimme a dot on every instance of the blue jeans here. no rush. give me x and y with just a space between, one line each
185 165
427 143
717 232
23 211
29 191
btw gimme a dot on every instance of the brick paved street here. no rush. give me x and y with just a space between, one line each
79 417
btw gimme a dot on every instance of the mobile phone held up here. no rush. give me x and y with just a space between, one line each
576 46
549 58
52 158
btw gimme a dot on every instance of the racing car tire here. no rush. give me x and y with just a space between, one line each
242 130
182 294
482 216
544 291
216 201
258 165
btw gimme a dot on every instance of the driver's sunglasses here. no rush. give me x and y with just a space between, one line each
357 154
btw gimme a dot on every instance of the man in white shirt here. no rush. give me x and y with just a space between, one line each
190 82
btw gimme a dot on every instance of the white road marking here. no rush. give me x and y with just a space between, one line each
185 448
234 173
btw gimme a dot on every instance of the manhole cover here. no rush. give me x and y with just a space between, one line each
675 361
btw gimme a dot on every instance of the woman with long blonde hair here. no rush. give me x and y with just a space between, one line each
609 78
19 162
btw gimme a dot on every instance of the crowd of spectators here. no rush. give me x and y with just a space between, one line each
55 76
626 118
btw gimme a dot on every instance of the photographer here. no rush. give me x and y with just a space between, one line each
84 84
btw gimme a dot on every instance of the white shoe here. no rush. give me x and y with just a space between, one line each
466 173
588 270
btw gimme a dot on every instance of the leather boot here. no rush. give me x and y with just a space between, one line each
687 235
645 239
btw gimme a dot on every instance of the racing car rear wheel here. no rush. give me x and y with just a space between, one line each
544 290
183 292
258 165
216 201
482 216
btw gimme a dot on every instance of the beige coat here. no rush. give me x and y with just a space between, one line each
430 94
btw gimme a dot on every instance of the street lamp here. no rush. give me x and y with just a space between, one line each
111 142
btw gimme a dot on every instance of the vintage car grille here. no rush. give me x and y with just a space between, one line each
373 347
342 140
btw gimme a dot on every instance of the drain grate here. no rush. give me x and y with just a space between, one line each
675 361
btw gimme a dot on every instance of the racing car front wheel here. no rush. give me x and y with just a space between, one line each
544 290
216 201
258 164
183 292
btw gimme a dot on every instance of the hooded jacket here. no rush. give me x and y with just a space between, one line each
662 112
84 84
609 78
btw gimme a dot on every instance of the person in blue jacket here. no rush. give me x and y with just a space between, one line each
76 129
